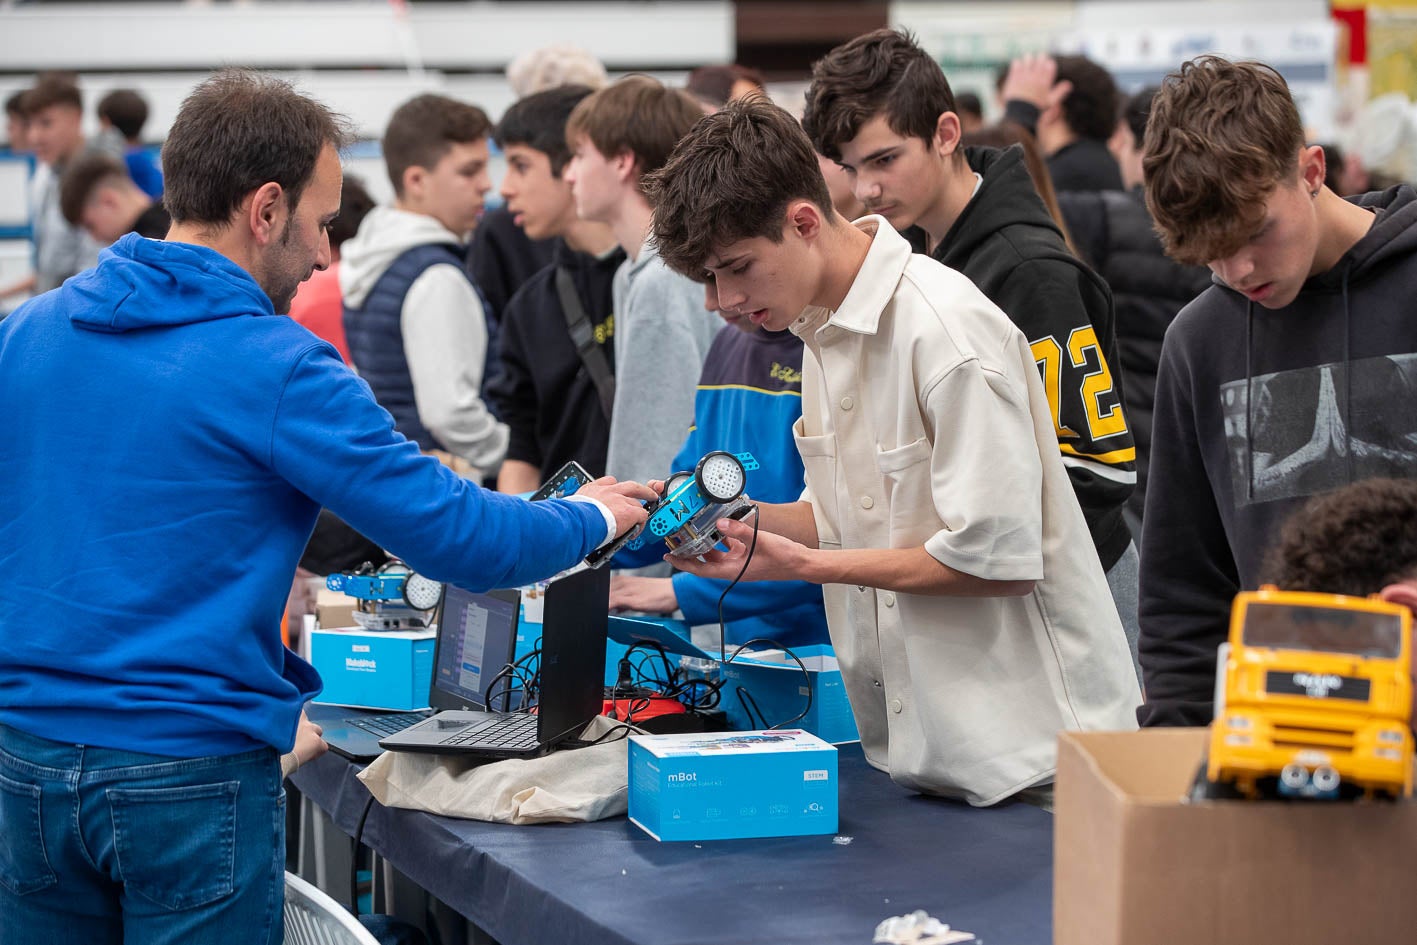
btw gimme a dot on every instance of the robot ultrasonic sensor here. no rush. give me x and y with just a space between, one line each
686 516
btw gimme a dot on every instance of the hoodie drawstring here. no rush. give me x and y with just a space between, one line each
1249 404
1347 377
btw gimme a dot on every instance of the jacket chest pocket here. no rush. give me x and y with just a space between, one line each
906 480
819 461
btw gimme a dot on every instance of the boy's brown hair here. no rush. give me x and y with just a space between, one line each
1356 540
86 174
884 72
1221 137
731 179
53 89
425 128
638 114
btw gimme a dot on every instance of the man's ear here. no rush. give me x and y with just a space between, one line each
947 134
805 219
264 212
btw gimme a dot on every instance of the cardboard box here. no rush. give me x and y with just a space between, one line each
1136 865
720 785
386 670
333 609
777 689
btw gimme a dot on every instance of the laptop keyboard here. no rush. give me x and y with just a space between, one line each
388 724
513 732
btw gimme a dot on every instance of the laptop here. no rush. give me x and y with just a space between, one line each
460 679
572 680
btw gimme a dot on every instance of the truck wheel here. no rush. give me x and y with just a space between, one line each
1294 777
1326 779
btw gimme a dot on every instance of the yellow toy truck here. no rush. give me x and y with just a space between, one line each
1313 697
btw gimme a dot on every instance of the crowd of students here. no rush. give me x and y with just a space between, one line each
951 397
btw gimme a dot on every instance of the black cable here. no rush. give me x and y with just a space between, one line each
354 858
774 645
752 546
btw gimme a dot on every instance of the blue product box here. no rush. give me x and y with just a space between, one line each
775 692
722 785
386 670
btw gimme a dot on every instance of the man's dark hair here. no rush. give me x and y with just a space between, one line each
731 178
882 72
713 85
1356 540
53 89
15 105
539 122
967 103
354 205
88 172
1091 107
425 128
237 131
125 110
1137 109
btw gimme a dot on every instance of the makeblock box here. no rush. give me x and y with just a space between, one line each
721 785
1134 864
386 670
775 686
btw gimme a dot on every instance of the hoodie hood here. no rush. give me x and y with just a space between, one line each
196 284
1005 198
1392 237
384 235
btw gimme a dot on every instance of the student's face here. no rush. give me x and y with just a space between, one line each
304 244
540 202
764 283
17 132
54 134
453 190
732 316
595 182
1271 267
106 216
899 178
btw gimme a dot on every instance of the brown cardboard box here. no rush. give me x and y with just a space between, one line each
333 609
1134 865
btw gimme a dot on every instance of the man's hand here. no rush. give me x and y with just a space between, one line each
308 746
646 595
1033 79
623 499
774 559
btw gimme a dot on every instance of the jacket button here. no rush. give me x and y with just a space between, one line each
847 403
867 502
890 600
896 706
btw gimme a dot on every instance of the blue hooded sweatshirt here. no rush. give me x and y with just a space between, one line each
166 442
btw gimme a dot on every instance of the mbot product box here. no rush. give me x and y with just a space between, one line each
721 785
774 690
1135 864
386 670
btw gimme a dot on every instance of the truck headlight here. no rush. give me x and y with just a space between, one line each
1237 721
1390 735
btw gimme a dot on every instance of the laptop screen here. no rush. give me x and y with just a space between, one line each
477 636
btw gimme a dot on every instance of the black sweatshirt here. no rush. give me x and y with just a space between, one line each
547 397
1008 245
1257 410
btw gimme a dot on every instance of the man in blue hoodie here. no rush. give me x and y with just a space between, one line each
168 440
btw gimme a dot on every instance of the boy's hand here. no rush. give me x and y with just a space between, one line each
646 595
775 558
1033 79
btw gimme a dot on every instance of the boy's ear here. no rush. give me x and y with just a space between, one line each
805 219
413 180
1313 166
626 166
947 134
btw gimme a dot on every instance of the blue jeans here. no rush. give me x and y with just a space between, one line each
99 846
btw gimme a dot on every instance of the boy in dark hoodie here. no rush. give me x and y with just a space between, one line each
557 380
1294 374
212 430
880 106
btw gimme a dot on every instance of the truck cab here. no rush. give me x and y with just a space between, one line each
1314 697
